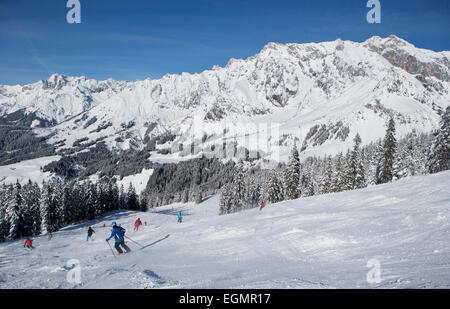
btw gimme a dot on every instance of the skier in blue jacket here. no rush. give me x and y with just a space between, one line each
118 233
179 217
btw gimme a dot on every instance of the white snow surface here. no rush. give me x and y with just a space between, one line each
26 170
318 242
139 181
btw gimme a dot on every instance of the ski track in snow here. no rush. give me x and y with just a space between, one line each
318 242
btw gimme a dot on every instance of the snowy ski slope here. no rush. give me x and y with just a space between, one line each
318 242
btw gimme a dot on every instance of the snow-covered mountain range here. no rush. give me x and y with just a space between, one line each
320 94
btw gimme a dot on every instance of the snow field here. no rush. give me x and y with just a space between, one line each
322 241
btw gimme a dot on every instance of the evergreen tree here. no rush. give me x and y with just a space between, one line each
132 200
274 190
101 200
439 158
143 206
238 190
307 187
389 149
338 175
4 229
199 198
47 210
225 199
327 184
355 172
14 213
31 213
253 193
91 201
79 207
122 198
58 204
292 175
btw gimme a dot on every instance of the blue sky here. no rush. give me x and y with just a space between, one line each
136 39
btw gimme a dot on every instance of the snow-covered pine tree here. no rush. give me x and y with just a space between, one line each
439 158
114 194
327 180
122 198
253 190
404 164
355 172
79 210
347 183
101 201
64 204
57 199
185 196
338 175
199 198
274 190
226 195
31 214
4 229
14 213
292 175
306 187
132 199
389 150
238 189
46 208
143 206
91 200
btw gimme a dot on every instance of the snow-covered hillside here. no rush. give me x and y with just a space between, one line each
26 170
318 242
319 93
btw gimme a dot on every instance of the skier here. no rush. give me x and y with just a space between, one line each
50 235
90 232
145 223
180 218
137 224
118 233
28 243
262 206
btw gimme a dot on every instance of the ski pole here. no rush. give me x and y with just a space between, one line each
135 242
111 249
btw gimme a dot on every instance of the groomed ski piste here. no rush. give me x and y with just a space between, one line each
323 241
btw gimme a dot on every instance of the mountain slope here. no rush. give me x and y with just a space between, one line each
324 241
321 94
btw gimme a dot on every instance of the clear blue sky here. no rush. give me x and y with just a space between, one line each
136 39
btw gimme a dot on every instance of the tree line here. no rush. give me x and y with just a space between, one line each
30 209
376 163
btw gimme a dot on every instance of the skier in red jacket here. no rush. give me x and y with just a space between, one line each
262 206
137 224
28 243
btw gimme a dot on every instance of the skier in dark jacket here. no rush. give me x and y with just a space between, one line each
118 233
90 232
